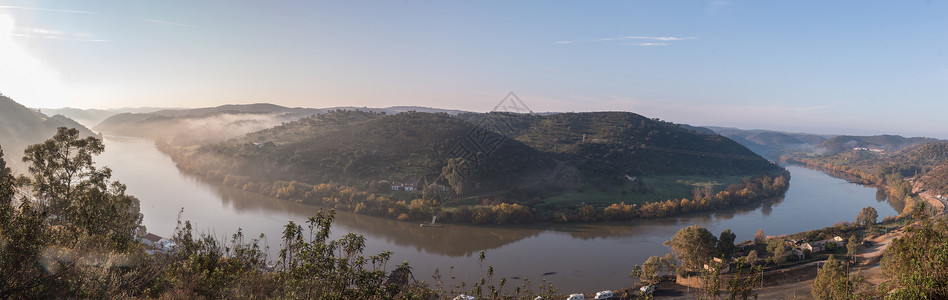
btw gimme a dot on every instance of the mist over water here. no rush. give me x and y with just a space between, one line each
584 257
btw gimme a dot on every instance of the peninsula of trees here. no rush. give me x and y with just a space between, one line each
493 168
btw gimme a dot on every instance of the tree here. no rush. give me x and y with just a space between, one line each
80 196
587 213
24 234
833 282
653 267
454 171
726 244
777 249
744 281
759 238
751 257
916 262
867 216
852 246
694 246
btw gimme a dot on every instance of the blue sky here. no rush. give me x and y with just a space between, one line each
851 67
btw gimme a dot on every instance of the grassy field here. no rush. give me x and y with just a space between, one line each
652 188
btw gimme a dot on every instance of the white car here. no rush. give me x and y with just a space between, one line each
464 297
576 297
603 295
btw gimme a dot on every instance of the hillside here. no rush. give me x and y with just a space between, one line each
487 168
355 147
771 144
888 143
894 161
199 125
21 126
92 117
613 144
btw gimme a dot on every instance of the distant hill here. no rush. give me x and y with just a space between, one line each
92 117
883 159
882 142
21 126
772 144
220 122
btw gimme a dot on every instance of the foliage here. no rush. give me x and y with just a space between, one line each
694 246
725 247
653 267
77 194
834 282
76 234
916 263
777 247
867 216
852 246
744 281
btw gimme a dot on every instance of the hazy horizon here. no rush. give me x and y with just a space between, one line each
844 67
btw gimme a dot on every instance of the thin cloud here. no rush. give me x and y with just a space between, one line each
55 37
168 22
650 44
48 9
653 38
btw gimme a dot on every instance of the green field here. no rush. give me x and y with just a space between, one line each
652 188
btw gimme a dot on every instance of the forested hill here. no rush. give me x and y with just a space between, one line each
354 147
21 126
610 144
885 160
358 146
889 143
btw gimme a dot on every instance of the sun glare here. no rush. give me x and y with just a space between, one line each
23 77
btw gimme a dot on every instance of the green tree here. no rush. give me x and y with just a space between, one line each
726 244
744 281
867 216
852 246
78 194
751 258
694 246
833 282
916 262
23 236
777 249
653 267
453 172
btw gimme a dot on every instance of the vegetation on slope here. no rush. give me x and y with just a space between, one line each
464 168
21 126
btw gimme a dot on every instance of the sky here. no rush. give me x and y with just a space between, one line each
841 67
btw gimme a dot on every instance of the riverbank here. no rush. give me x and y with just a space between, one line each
522 251
795 282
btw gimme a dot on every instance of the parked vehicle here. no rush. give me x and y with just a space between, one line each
576 297
603 295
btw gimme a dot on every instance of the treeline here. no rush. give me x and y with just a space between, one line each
837 170
749 191
886 177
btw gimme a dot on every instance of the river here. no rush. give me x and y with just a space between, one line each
576 257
